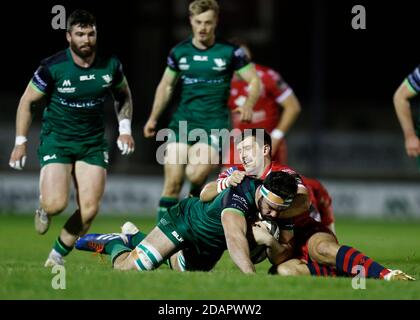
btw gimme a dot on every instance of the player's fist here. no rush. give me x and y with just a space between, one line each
246 113
18 157
149 129
412 145
125 143
261 234
235 178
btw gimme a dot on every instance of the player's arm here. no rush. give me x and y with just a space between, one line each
23 121
291 111
300 203
163 94
225 180
278 251
408 89
249 74
234 226
124 109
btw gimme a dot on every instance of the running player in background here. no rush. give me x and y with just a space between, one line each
205 65
406 91
266 113
74 82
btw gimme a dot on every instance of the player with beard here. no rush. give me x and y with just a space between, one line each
74 84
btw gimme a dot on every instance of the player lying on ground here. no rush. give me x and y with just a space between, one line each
205 230
317 250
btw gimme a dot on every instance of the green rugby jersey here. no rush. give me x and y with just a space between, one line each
413 80
205 76
203 224
76 95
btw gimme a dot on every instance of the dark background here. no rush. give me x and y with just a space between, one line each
344 78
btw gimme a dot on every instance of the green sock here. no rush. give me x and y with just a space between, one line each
61 248
115 248
164 204
136 239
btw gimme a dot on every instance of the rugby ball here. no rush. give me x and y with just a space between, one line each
259 252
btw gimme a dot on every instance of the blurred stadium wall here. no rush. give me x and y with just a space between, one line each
347 135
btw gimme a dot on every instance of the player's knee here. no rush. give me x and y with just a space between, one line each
172 188
196 176
192 175
54 205
89 210
285 270
320 248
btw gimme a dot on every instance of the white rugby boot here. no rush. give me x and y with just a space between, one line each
54 259
129 228
398 275
42 221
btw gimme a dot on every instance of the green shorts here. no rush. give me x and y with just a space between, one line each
190 133
55 150
174 226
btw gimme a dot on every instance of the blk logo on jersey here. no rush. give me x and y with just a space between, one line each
200 58
87 77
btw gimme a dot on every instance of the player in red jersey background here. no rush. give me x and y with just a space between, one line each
266 112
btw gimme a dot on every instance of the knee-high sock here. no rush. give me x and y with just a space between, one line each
349 258
115 248
135 239
60 247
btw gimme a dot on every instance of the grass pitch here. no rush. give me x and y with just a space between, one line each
23 252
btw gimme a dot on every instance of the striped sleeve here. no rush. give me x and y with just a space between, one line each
42 80
413 80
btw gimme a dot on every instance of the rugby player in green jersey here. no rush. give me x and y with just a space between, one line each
405 92
205 65
203 231
74 83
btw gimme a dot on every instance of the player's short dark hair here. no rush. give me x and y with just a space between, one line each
282 184
82 18
260 135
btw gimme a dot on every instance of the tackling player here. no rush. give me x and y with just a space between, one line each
317 250
74 82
